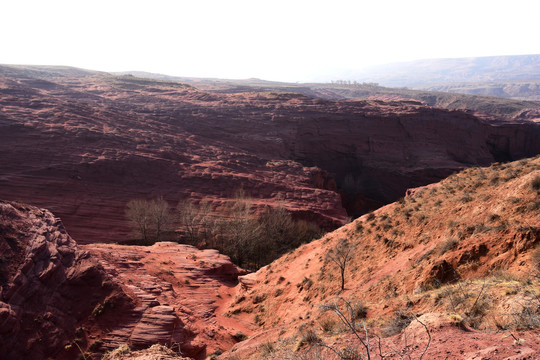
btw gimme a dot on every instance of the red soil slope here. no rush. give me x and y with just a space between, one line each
463 255
83 144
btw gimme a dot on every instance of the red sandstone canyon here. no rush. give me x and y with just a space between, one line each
433 206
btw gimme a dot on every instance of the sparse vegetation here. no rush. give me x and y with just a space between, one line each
239 336
341 255
307 337
367 347
448 245
535 183
396 324
251 240
117 353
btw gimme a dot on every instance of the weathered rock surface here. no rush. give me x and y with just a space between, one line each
179 293
58 300
47 285
84 143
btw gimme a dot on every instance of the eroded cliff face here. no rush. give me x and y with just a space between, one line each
381 151
84 144
48 287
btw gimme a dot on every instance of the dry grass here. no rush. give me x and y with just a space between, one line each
156 351
396 324
535 258
501 301
307 337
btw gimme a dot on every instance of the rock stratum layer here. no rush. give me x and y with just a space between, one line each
83 144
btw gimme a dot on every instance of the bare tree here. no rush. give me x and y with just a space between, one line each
196 221
341 255
138 213
150 218
206 221
252 239
187 216
240 228
160 216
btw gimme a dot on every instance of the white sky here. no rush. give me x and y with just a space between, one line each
292 40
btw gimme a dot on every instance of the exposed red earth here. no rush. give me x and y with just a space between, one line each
83 144
478 227
459 255
463 255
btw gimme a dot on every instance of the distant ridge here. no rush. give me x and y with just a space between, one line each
420 73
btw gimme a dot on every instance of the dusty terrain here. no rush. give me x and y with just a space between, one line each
461 257
83 143
461 254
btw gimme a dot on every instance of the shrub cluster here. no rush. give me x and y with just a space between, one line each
251 239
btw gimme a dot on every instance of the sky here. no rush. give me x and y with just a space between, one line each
291 40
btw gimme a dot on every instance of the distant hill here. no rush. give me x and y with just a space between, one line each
421 73
506 99
519 89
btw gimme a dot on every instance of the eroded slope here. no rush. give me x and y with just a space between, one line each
460 254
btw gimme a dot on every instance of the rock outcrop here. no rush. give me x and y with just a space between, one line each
48 287
58 300
179 292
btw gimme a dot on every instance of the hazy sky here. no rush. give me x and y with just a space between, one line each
289 40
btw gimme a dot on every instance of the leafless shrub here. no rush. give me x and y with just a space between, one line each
469 300
448 245
399 322
328 324
150 218
341 255
307 337
239 336
367 347
267 349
